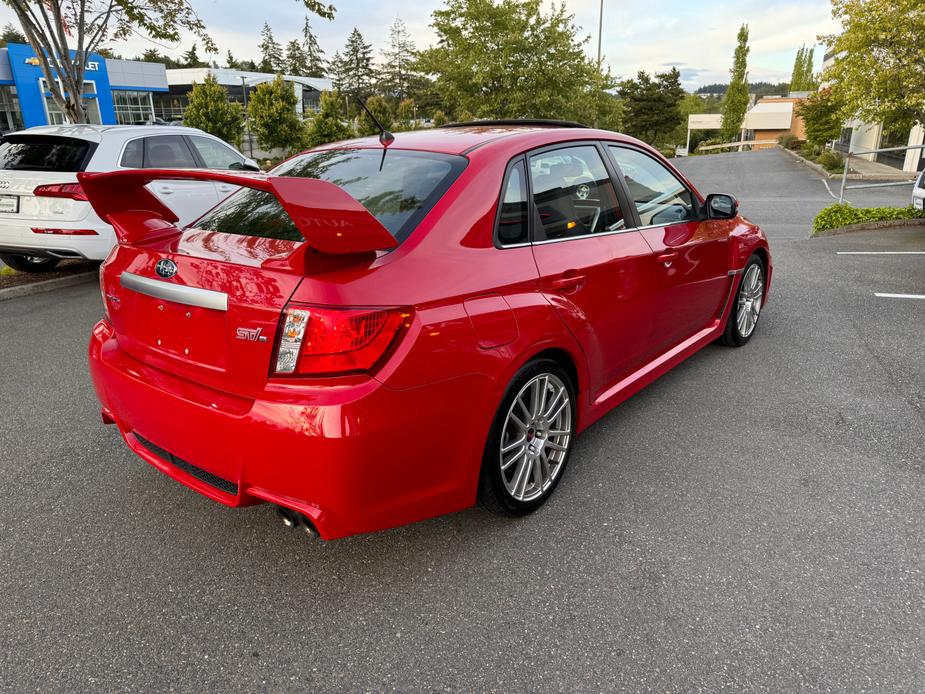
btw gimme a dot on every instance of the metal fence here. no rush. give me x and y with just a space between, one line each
860 153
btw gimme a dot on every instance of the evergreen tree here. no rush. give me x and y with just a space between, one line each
327 125
796 75
397 61
273 118
405 115
230 62
11 34
296 62
314 56
357 66
271 54
380 108
190 58
651 107
209 109
736 103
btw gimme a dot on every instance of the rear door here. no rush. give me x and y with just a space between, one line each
691 255
219 157
188 199
595 271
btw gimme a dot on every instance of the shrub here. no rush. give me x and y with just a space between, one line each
439 119
831 160
210 110
789 141
842 215
273 117
327 125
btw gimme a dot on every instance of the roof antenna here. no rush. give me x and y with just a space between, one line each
385 137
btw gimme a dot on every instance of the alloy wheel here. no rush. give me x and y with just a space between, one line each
751 292
535 438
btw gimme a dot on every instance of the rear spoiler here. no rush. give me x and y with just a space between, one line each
329 219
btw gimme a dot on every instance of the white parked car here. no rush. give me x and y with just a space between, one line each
44 216
918 193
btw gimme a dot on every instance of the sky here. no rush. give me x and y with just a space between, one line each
653 35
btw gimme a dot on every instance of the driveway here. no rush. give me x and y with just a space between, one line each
777 192
753 521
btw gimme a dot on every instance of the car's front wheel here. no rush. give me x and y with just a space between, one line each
30 263
530 440
746 309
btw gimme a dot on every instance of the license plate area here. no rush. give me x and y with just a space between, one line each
186 333
9 204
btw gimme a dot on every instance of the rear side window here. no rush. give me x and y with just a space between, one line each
398 190
44 153
134 154
512 221
168 152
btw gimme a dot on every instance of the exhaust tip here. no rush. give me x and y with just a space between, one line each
291 519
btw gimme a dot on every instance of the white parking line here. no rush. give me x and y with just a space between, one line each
899 296
879 252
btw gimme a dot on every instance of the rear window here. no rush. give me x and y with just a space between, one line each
398 194
44 153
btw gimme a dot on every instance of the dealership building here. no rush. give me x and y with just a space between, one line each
124 91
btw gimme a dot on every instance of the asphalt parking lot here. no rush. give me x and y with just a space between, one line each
753 521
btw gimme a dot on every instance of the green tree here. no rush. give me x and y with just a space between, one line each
271 53
314 56
230 62
381 110
11 35
296 60
651 107
55 28
356 66
507 59
396 73
190 58
273 118
821 116
801 79
880 60
209 109
439 119
405 115
736 103
327 125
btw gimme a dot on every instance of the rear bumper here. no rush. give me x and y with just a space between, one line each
353 458
19 238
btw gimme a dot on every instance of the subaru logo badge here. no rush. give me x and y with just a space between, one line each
165 268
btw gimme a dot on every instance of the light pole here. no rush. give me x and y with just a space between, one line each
250 143
600 29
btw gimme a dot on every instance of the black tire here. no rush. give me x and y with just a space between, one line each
30 263
733 334
493 490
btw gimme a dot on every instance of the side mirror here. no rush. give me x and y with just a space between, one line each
721 206
250 165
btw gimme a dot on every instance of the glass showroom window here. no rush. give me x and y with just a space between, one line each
56 115
10 113
132 108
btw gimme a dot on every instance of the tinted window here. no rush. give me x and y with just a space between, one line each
398 195
133 154
512 222
573 194
44 153
215 154
168 152
660 198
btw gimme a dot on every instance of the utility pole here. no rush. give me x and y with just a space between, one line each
600 29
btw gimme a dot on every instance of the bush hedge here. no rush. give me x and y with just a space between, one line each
842 215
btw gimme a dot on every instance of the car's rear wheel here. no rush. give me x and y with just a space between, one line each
30 263
746 308
530 440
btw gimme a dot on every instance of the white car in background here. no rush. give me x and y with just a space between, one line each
44 216
918 192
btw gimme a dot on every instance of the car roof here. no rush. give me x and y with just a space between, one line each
95 133
462 139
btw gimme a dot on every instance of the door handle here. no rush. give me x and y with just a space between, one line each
164 190
225 188
568 282
668 258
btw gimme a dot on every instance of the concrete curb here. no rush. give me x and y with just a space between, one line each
872 226
899 177
46 285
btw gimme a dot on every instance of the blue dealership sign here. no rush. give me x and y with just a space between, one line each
27 75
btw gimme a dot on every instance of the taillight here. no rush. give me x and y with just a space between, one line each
327 341
72 191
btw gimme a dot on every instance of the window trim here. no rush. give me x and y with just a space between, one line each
496 235
695 197
622 198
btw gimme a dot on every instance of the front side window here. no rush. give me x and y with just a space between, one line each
167 152
398 190
573 194
512 221
215 154
660 198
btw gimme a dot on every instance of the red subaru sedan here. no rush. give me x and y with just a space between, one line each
371 336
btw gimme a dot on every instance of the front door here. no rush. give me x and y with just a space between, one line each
596 273
690 254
